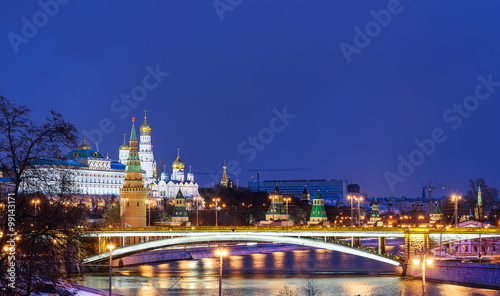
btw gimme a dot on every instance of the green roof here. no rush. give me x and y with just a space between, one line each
437 210
318 196
179 194
132 132
305 190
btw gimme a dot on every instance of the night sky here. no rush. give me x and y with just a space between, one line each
213 74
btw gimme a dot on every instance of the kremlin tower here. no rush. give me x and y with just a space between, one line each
133 194
148 163
225 181
318 212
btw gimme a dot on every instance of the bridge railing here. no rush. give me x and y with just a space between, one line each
244 228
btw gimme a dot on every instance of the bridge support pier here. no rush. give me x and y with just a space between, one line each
381 245
355 242
414 241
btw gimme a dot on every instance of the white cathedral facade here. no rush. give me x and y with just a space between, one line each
164 188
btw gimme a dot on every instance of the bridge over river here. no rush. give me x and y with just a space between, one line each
342 239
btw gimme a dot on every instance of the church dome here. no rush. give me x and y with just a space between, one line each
124 146
145 127
178 164
84 146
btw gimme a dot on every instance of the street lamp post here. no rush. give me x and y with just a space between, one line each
455 198
272 197
287 199
221 253
110 247
36 203
216 209
350 197
359 210
423 260
197 198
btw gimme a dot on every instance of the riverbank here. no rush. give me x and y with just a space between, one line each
477 274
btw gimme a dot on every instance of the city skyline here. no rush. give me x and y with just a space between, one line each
356 101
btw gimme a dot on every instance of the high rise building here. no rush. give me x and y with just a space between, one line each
332 191
133 194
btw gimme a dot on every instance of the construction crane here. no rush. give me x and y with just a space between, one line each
158 171
430 187
269 170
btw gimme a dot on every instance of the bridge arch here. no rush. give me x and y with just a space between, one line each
143 247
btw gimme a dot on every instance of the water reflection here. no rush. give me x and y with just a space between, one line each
266 274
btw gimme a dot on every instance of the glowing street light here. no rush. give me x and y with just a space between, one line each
423 260
351 198
221 252
456 198
36 203
110 248
359 198
287 199
216 209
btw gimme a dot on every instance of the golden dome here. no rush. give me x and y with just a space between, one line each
145 127
124 146
178 164
84 146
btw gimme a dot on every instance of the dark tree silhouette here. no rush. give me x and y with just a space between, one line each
41 210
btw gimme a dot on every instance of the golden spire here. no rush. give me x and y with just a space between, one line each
84 146
124 146
178 164
145 127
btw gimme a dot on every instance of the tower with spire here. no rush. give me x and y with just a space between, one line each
375 219
318 212
178 168
123 151
148 163
133 194
180 215
277 211
225 181
479 210
437 216
306 197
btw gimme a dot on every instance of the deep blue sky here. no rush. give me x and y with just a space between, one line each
226 76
